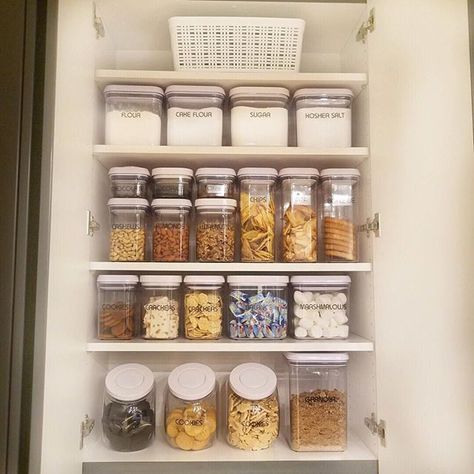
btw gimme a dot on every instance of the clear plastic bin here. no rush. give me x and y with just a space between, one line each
116 306
129 182
253 411
195 115
128 415
339 188
215 230
299 211
203 306
216 183
172 183
191 407
171 230
318 401
320 306
160 306
133 115
257 214
259 116
128 229
258 307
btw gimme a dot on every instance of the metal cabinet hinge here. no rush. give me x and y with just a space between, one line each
366 27
87 425
98 25
372 225
92 224
376 428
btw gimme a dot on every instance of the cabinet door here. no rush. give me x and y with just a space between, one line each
422 174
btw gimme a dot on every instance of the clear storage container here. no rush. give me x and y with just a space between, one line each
116 306
171 230
258 307
128 415
215 229
320 306
129 182
299 211
339 187
215 183
133 115
160 306
128 229
191 407
259 116
323 117
172 183
195 115
318 401
253 411
257 214
203 306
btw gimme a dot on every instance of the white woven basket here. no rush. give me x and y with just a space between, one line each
236 43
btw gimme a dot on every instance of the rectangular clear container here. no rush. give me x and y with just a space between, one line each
320 306
216 183
172 183
258 306
318 401
323 118
339 190
195 115
133 115
300 214
129 182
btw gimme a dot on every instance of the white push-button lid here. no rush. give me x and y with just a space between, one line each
129 382
253 381
318 357
192 381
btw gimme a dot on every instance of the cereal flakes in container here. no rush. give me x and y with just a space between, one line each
160 306
203 306
191 407
320 306
257 214
318 401
253 411
216 183
116 306
299 211
258 307
128 229
129 182
171 223
215 230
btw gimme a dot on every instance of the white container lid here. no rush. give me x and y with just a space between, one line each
349 172
128 202
306 172
320 280
258 280
172 172
277 92
128 170
117 279
134 89
191 381
253 381
161 280
195 90
329 93
265 172
215 203
168 203
215 172
204 280
318 357
129 382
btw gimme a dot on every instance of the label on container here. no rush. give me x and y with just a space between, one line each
217 189
259 198
322 306
300 198
126 226
160 307
317 399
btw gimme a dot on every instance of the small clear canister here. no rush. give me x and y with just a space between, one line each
339 188
172 183
129 182
216 183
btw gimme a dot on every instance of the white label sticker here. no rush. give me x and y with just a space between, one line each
299 198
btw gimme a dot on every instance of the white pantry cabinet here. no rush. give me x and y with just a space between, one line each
411 348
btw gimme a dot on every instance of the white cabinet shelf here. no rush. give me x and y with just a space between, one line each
353 344
160 451
195 157
229 267
227 80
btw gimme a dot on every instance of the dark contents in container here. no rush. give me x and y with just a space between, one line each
172 188
129 188
129 427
